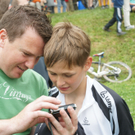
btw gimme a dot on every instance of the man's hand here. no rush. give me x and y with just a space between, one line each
29 116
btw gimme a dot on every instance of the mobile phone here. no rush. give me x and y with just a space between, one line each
56 113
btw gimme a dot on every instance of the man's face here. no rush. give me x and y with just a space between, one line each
21 54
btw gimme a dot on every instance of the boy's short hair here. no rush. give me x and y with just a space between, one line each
69 44
17 19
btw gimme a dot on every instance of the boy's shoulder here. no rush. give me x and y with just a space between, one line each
106 94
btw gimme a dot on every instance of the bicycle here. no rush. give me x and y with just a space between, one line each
114 71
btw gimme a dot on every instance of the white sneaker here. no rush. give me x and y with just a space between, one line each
130 27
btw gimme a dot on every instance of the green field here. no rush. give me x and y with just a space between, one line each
116 48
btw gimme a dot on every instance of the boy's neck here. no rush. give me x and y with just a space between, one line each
78 95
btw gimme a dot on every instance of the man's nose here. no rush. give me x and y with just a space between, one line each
30 63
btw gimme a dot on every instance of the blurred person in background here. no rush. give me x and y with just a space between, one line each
61 3
35 3
126 12
70 6
132 5
90 4
102 4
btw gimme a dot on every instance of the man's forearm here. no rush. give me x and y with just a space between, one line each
7 127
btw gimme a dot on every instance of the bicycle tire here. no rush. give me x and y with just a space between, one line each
95 3
125 74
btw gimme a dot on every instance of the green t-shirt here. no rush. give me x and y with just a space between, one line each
15 94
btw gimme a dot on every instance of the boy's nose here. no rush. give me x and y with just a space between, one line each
60 81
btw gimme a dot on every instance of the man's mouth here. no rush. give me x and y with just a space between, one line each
21 68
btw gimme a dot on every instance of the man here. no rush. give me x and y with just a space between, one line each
24 31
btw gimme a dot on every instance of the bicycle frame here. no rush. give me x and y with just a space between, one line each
99 73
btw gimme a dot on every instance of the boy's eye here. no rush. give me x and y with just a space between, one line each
68 75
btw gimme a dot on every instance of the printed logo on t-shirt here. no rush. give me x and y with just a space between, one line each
85 121
10 93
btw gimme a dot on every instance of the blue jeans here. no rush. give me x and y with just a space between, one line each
63 3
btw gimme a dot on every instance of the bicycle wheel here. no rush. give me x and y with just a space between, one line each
122 73
95 3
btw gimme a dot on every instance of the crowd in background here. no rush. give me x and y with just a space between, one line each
58 6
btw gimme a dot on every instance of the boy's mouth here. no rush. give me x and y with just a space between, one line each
63 88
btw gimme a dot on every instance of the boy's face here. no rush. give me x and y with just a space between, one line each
65 79
21 54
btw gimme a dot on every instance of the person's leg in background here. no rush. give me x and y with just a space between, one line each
132 8
126 12
71 7
59 6
106 4
38 5
90 4
102 4
64 5
68 7
111 22
32 4
119 18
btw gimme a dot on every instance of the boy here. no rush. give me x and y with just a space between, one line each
117 16
100 110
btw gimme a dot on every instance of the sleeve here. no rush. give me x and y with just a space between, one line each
42 129
125 121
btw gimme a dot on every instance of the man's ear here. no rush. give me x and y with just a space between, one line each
88 63
3 37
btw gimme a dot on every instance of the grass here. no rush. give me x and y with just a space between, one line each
116 48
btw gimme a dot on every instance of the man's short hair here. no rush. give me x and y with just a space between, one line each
17 19
69 44
4 5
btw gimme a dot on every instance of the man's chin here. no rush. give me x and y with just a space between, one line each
15 76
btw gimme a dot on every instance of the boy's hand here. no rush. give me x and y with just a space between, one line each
65 125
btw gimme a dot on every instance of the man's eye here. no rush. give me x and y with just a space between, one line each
26 54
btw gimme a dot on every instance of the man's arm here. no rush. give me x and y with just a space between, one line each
29 116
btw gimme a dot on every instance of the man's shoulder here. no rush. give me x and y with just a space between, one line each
33 76
31 72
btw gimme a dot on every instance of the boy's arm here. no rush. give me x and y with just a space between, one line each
124 118
33 130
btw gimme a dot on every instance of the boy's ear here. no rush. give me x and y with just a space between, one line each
88 63
3 37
